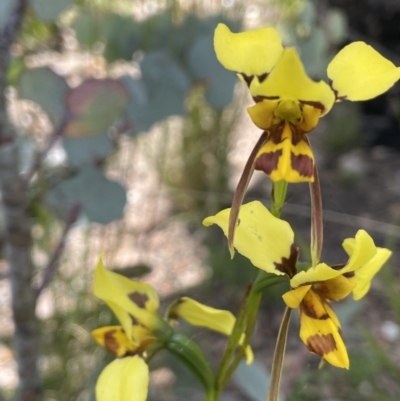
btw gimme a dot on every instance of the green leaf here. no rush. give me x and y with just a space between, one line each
123 37
102 200
204 66
253 380
6 7
87 29
336 25
313 52
192 356
94 106
87 150
49 10
46 88
160 94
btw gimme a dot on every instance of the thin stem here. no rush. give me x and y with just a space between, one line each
232 343
40 155
279 354
53 263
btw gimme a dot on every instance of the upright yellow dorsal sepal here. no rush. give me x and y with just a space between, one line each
253 53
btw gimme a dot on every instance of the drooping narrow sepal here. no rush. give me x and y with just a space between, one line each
279 355
317 224
241 191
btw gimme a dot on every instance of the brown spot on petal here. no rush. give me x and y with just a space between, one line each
303 164
307 307
247 78
135 322
338 266
139 299
268 162
260 98
262 77
321 344
288 265
110 343
316 105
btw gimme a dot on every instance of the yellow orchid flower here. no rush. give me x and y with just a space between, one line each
289 103
268 242
135 304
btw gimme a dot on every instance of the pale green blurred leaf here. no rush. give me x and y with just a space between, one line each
204 67
336 25
5 10
87 150
87 29
46 88
49 10
123 36
102 200
313 52
253 380
160 94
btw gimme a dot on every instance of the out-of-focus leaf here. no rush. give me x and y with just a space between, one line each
87 29
347 310
157 31
137 112
205 67
102 200
308 14
94 106
336 25
49 10
313 51
17 65
123 37
161 92
46 88
5 10
87 150
253 380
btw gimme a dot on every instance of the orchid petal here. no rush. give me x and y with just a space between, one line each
201 315
264 239
359 72
125 379
288 80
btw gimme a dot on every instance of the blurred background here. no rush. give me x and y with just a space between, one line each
157 140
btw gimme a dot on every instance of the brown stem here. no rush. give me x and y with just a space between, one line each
40 155
17 236
53 263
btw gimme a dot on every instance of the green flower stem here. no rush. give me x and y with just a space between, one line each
232 344
251 321
278 196
245 323
279 354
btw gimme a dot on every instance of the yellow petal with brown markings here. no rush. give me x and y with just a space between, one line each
114 339
264 239
285 157
320 331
